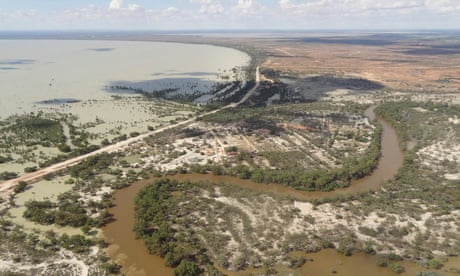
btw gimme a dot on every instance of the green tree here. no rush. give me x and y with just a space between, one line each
21 187
434 264
85 229
187 268
64 148
396 267
111 268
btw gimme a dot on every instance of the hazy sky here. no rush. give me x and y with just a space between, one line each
229 14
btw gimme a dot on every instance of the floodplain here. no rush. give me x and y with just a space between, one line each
270 185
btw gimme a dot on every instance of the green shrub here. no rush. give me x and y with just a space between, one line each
187 268
396 267
21 187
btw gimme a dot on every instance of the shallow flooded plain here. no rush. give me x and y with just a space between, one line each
35 71
77 77
42 190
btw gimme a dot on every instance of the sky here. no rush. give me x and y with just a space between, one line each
228 14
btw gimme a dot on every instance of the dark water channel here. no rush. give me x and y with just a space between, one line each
132 254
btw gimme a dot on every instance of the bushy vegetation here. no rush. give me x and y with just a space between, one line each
37 130
8 175
414 181
34 248
291 171
62 157
21 187
65 213
156 212
4 159
309 180
22 137
419 122
92 166
70 209
417 185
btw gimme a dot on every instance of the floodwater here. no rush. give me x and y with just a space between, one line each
329 260
76 77
128 251
133 255
32 71
41 190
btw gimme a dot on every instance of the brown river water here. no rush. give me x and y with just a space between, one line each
132 254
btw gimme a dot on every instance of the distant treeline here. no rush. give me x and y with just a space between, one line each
233 94
162 93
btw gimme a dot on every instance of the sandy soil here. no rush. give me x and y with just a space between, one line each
67 263
436 155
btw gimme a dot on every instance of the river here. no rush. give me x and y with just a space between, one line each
131 253
128 251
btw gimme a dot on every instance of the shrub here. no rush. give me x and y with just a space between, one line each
187 268
21 187
396 267
30 169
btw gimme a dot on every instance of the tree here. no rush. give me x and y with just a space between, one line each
111 268
257 176
105 142
134 134
85 229
396 267
434 264
187 268
21 187
64 148
217 170
8 175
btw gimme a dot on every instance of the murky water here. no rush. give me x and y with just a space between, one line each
128 251
33 71
327 261
41 190
133 256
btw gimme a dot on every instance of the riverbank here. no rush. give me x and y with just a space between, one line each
134 258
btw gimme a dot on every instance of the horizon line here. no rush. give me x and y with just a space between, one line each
268 30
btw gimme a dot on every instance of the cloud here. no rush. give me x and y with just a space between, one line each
212 9
245 6
209 7
443 6
285 4
183 14
134 7
170 11
202 1
353 7
250 8
326 5
115 4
